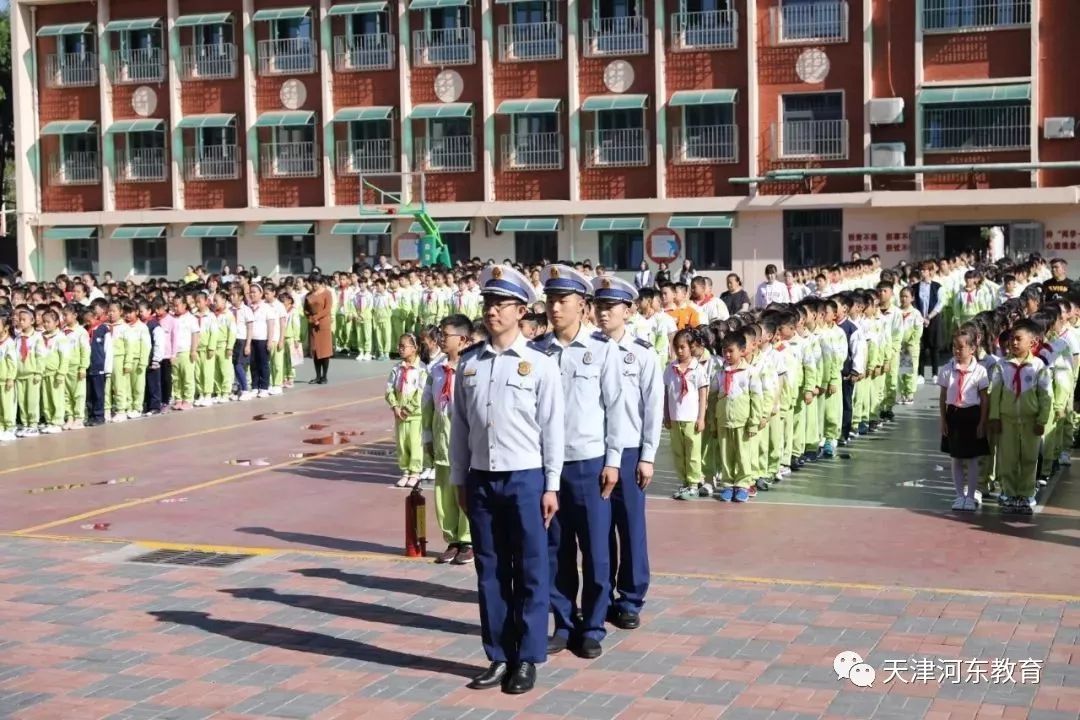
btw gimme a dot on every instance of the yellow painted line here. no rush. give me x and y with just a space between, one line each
192 488
197 433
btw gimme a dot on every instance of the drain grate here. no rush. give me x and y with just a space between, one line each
190 558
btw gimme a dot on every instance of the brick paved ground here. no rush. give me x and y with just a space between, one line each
89 634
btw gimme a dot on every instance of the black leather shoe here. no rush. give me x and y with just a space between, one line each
624 619
492 677
588 648
521 680
556 644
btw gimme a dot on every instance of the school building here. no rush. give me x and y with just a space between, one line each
155 134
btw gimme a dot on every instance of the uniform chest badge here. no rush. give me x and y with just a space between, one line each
587 359
470 372
628 358
524 368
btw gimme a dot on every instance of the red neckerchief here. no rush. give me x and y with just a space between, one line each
729 379
403 379
970 296
46 339
906 314
962 373
1016 377
448 385
684 387
24 347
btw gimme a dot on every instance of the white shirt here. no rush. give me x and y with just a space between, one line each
712 309
963 384
770 292
242 315
261 313
685 408
186 326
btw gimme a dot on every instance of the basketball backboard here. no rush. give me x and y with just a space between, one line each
401 193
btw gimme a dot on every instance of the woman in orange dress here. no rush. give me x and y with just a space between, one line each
317 308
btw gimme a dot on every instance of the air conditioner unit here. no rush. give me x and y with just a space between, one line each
1059 128
887 111
887 155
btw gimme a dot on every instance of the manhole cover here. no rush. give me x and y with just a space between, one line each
195 558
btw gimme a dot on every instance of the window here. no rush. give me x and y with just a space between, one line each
143 157
533 33
217 252
449 144
812 237
75 63
296 254
709 249
813 125
950 15
619 139
213 55
148 256
799 21
214 156
371 146
291 152
704 25
81 255
78 162
371 245
534 248
966 126
708 133
459 245
534 142
621 249
290 49
617 27
447 38
367 44
139 58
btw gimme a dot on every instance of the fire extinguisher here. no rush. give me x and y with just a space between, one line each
415 524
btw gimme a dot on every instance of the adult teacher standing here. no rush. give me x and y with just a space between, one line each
317 305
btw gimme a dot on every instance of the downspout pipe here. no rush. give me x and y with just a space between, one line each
797 175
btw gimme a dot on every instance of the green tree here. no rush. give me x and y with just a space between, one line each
7 109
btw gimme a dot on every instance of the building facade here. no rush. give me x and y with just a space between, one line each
155 134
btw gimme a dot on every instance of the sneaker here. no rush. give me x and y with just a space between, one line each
687 492
863 428
30 432
1065 458
7 436
1025 506
933 380
920 380
750 491
51 429
970 505
1042 481
464 556
705 490
741 495
784 471
727 494
263 394
828 451
977 498
276 390
958 503
119 417
447 555
763 483
134 414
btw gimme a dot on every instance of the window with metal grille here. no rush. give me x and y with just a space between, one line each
217 252
927 242
296 254
459 245
533 248
813 125
148 256
81 255
371 246
952 15
621 249
1025 239
812 237
709 249
964 126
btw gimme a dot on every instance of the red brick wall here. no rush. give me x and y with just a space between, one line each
977 55
1058 88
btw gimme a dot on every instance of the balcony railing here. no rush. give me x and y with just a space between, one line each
943 16
293 56
617 148
709 30
448 46
364 52
76 168
292 159
212 162
453 153
530 41
71 70
141 165
208 62
705 144
532 151
136 66
362 157
616 36
816 139
819 22
976 127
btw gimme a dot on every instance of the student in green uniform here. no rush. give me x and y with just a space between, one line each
738 417
436 405
911 330
686 385
404 395
78 362
9 369
363 324
53 372
224 370
292 336
382 317
208 342
139 347
117 384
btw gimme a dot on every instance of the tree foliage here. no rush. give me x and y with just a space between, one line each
7 107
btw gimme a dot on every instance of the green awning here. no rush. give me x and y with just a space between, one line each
135 24
432 4
703 97
71 233
361 8
516 107
527 225
65 29
615 102
361 228
445 226
201 231
613 223
214 120
67 127
975 94
284 228
140 125
285 118
281 14
204 19
441 110
359 114
710 222
135 232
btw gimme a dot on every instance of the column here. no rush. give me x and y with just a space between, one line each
326 78
660 60
27 172
868 82
176 111
108 153
251 135
405 96
920 76
487 109
1036 87
573 101
753 94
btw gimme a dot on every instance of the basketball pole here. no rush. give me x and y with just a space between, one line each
432 249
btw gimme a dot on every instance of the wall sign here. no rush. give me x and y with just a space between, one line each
663 245
407 247
1063 239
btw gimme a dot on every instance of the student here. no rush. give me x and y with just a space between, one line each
101 363
224 344
686 399
382 313
9 368
55 352
344 315
964 406
118 383
153 402
139 343
275 343
78 362
185 346
738 417
363 322
436 405
243 321
167 321
911 330
264 320
404 394
530 326
293 347
1020 408
208 344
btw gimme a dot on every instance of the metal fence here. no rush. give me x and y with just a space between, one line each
825 21
212 162
453 153
446 46
708 30
141 165
364 52
955 15
530 41
532 151
71 69
977 127
290 56
137 65
820 139
358 157
76 168
617 148
705 144
208 62
289 159
616 36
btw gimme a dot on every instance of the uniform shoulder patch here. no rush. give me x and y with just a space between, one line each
643 343
598 335
551 350
472 349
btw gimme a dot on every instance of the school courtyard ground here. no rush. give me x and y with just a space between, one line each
303 606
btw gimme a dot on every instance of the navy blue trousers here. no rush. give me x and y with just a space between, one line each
583 521
511 552
629 548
